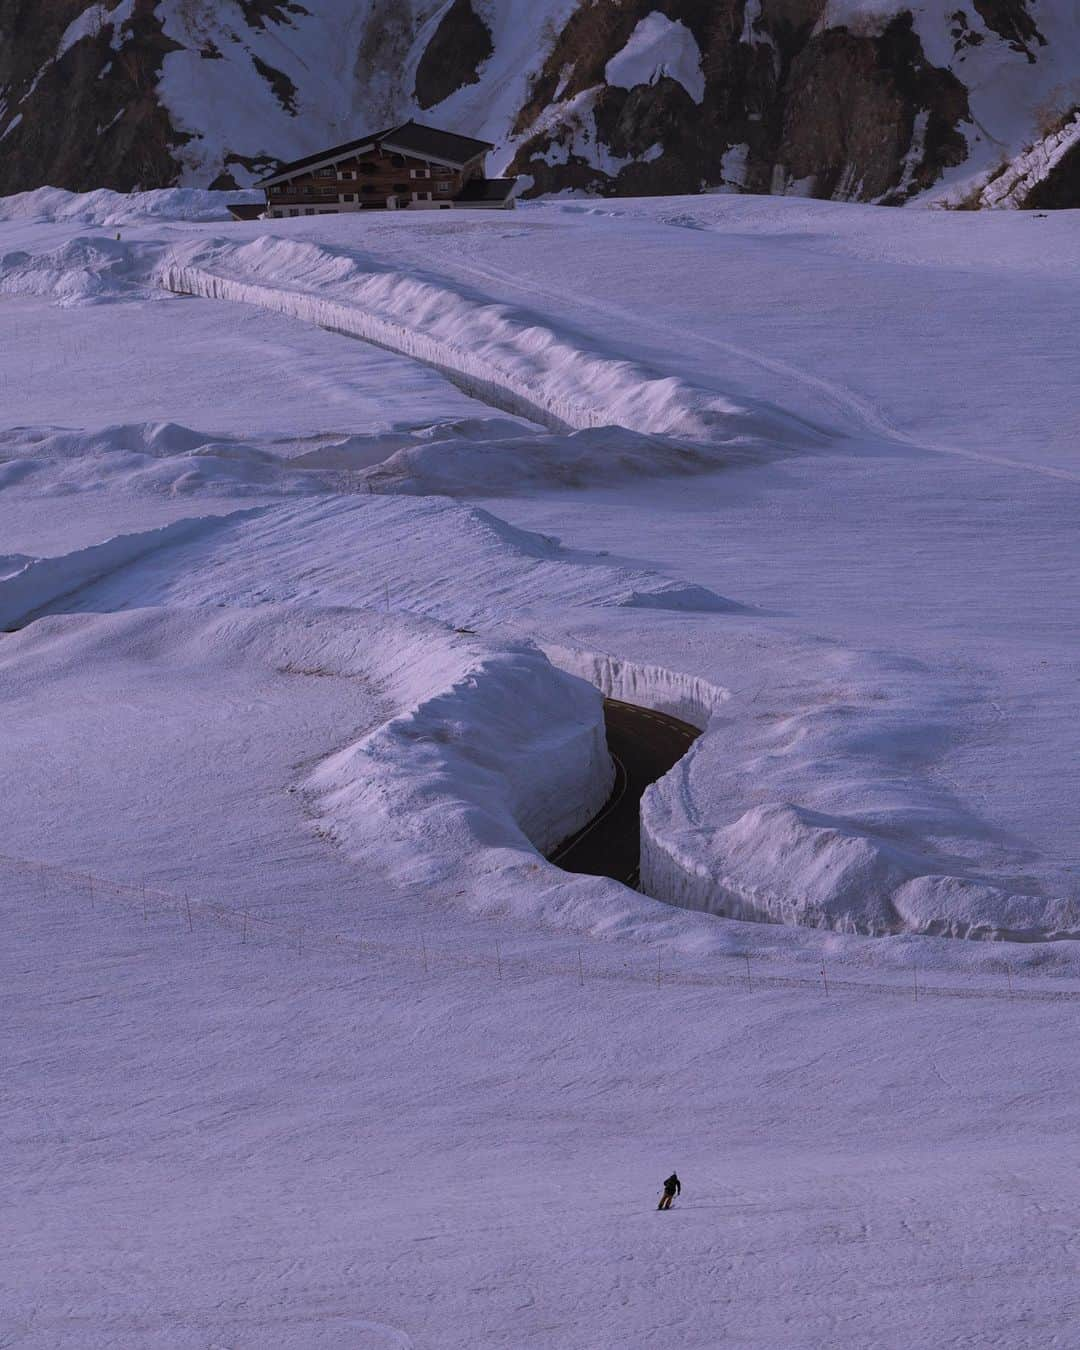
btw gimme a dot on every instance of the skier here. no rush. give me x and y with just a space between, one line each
672 1188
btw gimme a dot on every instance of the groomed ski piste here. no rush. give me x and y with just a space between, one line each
320 542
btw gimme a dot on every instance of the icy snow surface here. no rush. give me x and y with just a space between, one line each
320 537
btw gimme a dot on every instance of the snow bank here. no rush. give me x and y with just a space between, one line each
107 208
779 863
494 352
85 270
456 459
659 47
42 582
513 748
414 747
822 806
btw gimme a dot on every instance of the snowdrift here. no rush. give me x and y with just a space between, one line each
822 807
404 552
158 458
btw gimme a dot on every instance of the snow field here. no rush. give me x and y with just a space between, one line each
239 1143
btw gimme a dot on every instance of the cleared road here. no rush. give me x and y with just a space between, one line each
644 745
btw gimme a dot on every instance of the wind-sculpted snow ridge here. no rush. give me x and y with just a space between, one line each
43 583
430 556
821 806
494 352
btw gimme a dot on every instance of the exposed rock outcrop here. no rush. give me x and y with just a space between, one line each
873 100
462 43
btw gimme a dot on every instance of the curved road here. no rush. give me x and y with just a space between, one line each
644 745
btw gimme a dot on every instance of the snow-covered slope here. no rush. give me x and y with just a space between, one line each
875 100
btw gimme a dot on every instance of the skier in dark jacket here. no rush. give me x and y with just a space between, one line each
672 1188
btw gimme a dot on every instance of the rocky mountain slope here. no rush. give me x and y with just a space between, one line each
974 102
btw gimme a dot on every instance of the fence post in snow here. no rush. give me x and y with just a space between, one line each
658 970
423 953
243 930
143 892
749 982
299 942
90 883
580 969
824 979
498 959
1008 972
915 982
187 907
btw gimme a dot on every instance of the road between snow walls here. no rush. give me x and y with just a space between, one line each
764 819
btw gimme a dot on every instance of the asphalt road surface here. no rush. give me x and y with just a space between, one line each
644 744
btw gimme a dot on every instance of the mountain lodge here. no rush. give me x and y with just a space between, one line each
410 167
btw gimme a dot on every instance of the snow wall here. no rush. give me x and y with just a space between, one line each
781 863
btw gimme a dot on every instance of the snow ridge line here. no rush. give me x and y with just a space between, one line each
473 375
45 581
435 960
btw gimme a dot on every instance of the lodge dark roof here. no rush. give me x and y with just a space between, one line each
412 138
486 190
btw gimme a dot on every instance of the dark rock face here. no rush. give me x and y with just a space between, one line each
1060 190
1012 21
461 44
850 116
838 113
92 117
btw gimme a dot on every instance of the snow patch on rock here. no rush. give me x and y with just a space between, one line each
1012 186
659 47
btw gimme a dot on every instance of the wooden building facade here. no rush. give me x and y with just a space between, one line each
411 167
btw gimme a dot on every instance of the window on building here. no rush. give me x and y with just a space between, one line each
326 173
444 185
420 173
347 174
421 196
309 210
294 211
